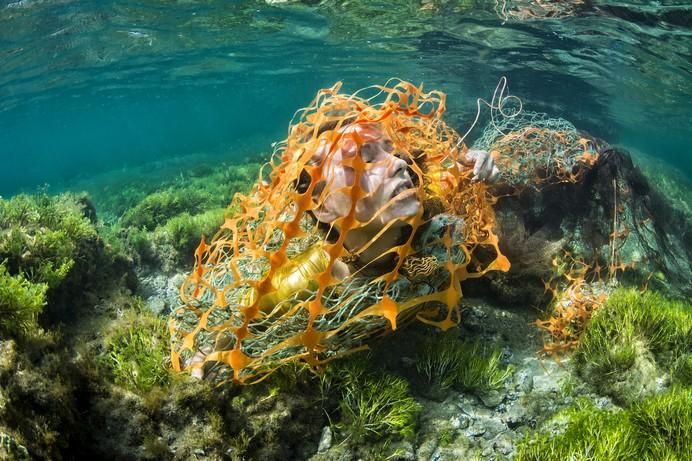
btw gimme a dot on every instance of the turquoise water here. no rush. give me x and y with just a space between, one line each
88 87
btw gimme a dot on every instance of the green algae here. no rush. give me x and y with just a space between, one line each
147 201
630 339
371 404
20 303
682 369
10 450
137 352
656 429
157 208
635 343
163 228
376 406
43 236
447 362
184 231
109 368
53 242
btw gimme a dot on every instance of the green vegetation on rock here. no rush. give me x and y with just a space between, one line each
51 248
446 362
107 365
373 404
149 203
629 338
157 208
137 351
42 236
682 369
659 428
20 303
163 227
10 450
183 232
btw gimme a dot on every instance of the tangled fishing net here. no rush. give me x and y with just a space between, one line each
265 292
532 149
577 292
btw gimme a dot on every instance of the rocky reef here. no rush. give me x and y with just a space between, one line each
87 282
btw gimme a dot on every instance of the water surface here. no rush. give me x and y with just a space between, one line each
93 86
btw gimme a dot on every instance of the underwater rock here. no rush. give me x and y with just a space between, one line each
634 344
463 425
613 217
325 440
504 443
492 398
161 291
8 356
545 384
11 450
477 429
190 419
38 399
52 241
636 383
517 415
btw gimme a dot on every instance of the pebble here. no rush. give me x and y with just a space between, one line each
545 384
487 453
492 399
524 381
455 422
492 427
515 416
476 430
156 305
466 408
503 443
325 440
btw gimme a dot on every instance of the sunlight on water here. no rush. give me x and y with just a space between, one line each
89 86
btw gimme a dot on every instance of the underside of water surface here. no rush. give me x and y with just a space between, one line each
88 87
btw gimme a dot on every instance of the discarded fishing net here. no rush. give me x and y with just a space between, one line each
578 292
532 149
269 288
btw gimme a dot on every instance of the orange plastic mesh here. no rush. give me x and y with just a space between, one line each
577 293
262 291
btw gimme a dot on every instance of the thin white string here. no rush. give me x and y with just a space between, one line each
496 105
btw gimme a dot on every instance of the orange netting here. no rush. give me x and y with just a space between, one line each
271 288
577 293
